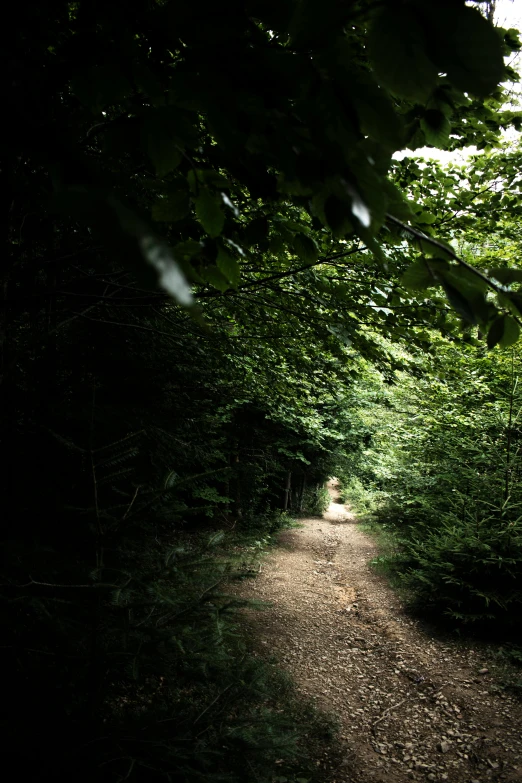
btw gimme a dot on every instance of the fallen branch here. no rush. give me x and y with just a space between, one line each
399 704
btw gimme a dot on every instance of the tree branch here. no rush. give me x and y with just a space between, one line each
288 273
451 253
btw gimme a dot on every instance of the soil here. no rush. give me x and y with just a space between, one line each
410 705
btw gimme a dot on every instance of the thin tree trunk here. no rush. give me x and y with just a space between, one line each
286 496
302 493
507 479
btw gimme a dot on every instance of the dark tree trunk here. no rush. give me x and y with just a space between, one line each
288 487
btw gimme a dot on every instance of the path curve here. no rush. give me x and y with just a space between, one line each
410 707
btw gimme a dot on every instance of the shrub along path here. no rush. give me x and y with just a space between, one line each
410 707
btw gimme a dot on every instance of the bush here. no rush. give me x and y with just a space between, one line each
316 500
155 681
360 498
470 566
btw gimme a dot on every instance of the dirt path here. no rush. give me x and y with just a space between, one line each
410 707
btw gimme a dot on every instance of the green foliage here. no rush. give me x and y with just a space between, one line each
509 665
163 130
152 667
209 212
362 500
316 500
474 206
442 477
470 567
203 256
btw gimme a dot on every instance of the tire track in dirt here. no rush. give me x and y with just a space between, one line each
410 707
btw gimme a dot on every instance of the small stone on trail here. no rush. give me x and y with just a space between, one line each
443 746
483 671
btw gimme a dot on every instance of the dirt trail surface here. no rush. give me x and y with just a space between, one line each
410 706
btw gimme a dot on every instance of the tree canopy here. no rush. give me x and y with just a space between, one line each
218 150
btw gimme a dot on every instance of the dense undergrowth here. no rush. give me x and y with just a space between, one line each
440 485
144 474
143 672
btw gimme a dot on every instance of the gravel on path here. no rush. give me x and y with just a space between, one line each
410 706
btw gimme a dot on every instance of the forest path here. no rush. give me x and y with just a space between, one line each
410 707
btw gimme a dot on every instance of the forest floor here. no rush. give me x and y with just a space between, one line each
410 705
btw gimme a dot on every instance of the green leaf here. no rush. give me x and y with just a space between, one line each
461 277
512 39
511 332
293 187
166 131
209 212
397 51
437 250
397 204
228 266
506 276
496 332
336 213
418 276
172 207
189 270
305 248
436 127
213 178
504 331
188 249
424 273
164 154
425 217
293 225
373 245
215 277
459 302
515 302
465 46
377 116
482 308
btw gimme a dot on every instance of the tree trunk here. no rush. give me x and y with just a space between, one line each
302 489
286 496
